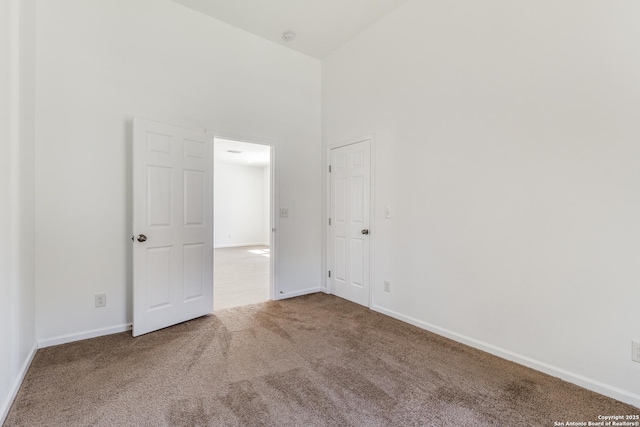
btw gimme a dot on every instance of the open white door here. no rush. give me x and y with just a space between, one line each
172 225
349 242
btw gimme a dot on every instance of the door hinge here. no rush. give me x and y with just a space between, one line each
329 221
329 273
329 168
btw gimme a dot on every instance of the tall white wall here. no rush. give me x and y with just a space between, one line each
507 146
102 62
238 205
17 187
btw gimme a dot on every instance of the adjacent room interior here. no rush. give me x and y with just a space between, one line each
242 223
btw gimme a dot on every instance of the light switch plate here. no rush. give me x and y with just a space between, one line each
284 212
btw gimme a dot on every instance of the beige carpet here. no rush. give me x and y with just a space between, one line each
311 361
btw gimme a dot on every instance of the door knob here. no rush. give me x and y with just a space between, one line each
365 231
142 238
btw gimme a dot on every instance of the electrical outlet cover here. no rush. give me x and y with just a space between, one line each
101 300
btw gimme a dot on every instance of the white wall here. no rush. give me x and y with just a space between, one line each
17 184
508 141
238 205
266 205
102 62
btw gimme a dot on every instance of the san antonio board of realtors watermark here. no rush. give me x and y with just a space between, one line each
603 421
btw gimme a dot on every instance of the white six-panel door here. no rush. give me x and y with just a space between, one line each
349 244
172 225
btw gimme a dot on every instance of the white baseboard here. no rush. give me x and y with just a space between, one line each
239 245
308 291
13 391
64 339
580 380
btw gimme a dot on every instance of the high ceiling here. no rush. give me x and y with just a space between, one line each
321 26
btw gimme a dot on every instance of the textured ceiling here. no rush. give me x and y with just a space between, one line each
321 26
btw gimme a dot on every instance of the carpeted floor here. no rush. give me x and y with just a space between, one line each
310 361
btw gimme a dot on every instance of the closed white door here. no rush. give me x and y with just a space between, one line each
172 225
349 222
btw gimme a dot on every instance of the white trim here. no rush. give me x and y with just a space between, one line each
273 241
15 387
239 245
371 137
239 137
577 379
372 217
300 293
64 339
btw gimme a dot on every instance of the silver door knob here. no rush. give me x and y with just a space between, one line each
365 231
142 238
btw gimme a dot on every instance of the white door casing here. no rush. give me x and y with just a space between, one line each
173 208
349 212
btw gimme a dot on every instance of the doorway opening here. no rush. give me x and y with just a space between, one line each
242 224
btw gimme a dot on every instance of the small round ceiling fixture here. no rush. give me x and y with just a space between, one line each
288 36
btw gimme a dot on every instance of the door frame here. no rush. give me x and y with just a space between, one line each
327 214
273 236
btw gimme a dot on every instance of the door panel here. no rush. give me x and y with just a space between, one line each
193 271
194 198
357 262
340 259
159 196
159 275
349 212
173 208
